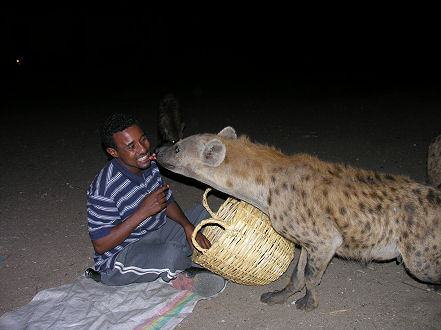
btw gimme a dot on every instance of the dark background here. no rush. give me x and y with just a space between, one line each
369 45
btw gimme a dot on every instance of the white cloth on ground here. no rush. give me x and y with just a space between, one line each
85 304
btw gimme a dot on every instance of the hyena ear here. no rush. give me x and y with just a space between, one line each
228 133
213 153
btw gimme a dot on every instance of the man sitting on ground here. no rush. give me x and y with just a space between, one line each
138 231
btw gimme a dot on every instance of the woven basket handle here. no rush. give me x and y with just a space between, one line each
205 203
199 226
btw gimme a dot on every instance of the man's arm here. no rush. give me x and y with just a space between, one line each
175 213
152 204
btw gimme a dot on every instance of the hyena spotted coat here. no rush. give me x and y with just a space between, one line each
326 208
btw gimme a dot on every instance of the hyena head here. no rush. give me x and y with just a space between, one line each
170 124
198 156
229 164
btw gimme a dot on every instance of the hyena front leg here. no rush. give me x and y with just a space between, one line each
318 259
295 284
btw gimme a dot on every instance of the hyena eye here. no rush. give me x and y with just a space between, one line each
177 149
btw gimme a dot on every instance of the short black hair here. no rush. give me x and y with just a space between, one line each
116 122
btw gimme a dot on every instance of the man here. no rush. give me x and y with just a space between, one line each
138 231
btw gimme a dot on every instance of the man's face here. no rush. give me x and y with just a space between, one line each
133 149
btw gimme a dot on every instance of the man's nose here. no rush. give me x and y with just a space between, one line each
141 148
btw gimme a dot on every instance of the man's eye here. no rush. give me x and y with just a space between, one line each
177 149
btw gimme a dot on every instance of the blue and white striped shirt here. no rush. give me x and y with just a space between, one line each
113 196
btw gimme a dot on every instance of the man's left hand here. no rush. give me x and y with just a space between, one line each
200 238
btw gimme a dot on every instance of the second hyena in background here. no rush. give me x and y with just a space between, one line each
434 163
170 123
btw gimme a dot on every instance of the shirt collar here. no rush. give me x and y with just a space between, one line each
132 176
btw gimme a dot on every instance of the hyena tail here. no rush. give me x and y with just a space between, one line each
170 124
434 163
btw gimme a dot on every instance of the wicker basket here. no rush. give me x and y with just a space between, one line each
244 247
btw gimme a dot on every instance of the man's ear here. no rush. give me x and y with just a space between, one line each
213 153
112 152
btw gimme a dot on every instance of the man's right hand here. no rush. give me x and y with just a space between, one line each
152 204
155 202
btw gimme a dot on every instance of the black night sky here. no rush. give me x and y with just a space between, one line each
225 43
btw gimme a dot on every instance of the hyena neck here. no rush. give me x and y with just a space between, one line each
248 185
245 173
251 193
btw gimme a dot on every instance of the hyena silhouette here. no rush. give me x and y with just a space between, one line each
434 163
170 123
325 208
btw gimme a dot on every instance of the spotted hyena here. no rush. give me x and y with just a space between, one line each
434 163
326 208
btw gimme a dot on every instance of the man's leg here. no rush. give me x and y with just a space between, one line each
196 278
144 261
163 253
174 232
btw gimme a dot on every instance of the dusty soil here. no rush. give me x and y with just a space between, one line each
51 152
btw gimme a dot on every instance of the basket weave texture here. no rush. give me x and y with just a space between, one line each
244 246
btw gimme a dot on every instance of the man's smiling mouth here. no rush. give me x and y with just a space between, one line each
142 158
147 156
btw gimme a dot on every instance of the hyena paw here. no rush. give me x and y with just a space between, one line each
307 303
274 297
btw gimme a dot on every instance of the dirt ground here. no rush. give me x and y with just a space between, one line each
51 153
